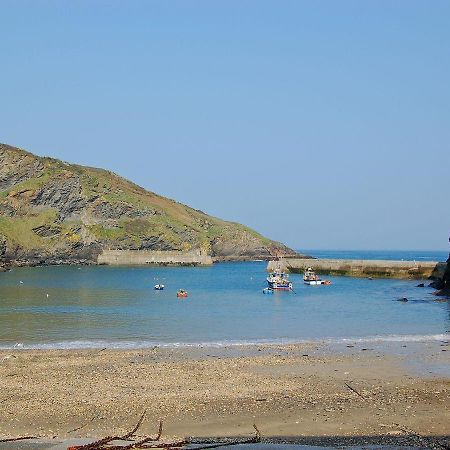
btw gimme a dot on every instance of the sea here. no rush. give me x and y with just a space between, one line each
71 307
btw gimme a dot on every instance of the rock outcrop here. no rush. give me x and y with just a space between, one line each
443 285
2 252
52 212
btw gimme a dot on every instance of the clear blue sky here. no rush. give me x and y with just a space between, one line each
322 124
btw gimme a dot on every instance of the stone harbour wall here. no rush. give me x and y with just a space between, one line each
363 268
158 257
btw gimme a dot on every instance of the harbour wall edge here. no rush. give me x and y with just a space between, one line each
156 257
363 268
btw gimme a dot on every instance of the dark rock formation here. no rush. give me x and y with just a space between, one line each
443 286
2 253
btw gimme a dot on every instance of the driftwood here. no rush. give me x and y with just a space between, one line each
101 442
146 442
21 438
155 442
355 391
253 440
82 426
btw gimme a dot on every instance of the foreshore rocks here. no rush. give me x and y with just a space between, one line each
443 285
52 212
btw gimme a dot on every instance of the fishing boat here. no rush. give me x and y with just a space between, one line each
159 287
181 293
279 281
310 277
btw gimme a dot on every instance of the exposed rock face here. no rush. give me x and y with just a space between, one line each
62 194
2 252
443 286
26 167
52 212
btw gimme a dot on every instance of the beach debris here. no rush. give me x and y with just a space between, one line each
82 426
20 438
153 442
355 391
253 440
98 445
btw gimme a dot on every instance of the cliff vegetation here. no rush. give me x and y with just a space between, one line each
52 212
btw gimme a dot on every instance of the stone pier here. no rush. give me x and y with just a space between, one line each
364 268
157 257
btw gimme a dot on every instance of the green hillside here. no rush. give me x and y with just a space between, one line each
53 212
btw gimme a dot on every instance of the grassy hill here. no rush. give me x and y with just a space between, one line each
53 212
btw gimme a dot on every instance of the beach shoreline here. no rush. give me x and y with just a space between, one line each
293 391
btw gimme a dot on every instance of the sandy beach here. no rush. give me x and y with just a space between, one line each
303 391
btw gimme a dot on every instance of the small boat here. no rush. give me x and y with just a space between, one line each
181 293
159 287
310 277
267 291
280 281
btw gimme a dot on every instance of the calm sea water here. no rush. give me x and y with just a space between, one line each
76 307
406 255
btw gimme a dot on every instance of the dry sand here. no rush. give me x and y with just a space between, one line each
286 391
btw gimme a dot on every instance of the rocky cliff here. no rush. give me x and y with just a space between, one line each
443 285
52 212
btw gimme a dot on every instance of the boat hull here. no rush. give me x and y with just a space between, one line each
316 282
280 286
313 282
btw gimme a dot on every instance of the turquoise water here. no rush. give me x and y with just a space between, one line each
99 306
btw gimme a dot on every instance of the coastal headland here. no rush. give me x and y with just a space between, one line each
363 268
53 212
308 393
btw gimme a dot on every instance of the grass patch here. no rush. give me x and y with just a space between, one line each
19 230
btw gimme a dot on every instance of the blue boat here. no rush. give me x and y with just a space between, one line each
279 281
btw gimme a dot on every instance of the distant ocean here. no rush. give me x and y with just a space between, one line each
406 255
117 307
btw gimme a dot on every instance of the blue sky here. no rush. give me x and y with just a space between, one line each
321 124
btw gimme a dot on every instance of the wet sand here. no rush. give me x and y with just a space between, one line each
290 391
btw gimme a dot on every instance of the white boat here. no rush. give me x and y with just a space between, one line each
310 277
279 281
